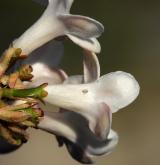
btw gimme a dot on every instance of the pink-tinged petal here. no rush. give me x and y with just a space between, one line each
81 26
90 44
91 67
103 121
117 89
99 119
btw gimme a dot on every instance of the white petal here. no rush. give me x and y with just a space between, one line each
83 31
90 44
81 26
91 67
103 121
117 89
42 73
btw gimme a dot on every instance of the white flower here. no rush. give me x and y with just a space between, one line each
116 89
56 21
87 103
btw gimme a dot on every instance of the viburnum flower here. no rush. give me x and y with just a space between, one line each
56 21
85 102
86 105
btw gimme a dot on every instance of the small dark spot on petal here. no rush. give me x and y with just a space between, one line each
85 91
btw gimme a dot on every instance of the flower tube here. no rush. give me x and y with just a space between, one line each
56 21
116 89
86 104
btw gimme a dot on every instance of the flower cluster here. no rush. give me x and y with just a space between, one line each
16 117
85 102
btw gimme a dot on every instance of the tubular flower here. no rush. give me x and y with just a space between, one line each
56 21
86 104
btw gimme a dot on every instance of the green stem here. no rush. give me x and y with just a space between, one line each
37 92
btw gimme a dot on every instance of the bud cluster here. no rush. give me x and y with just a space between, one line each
19 107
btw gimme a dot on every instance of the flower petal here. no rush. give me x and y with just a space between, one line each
103 121
91 67
73 130
81 26
117 89
45 74
90 44
83 31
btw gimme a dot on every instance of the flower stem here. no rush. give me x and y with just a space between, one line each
37 92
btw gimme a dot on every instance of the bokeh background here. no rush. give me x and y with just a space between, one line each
131 43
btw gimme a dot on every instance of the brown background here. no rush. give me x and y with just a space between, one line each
131 43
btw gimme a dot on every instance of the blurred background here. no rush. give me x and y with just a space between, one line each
131 43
